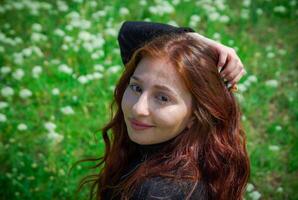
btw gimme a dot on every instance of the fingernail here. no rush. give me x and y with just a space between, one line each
219 69
225 80
229 85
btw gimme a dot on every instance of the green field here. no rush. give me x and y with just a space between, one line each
60 60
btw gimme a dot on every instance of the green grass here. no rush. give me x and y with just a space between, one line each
264 33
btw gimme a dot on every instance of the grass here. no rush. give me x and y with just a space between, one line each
35 160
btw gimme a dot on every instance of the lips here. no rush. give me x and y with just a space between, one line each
137 125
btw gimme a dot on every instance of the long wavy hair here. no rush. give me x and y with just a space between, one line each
212 150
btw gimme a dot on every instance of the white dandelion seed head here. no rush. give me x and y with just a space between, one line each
36 71
83 79
271 83
22 127
18 74
67 110
123 11
3 118
7 91
50 126
55 91
25 93
274 148
55 137
3 104
36 27
98 67
5 70
65 69
249 187
255 195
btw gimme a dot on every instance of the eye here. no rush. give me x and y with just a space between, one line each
135 88
163 98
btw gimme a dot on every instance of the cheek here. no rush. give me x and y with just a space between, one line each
172 117
127 101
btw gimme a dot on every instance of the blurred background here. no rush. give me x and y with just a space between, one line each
60 60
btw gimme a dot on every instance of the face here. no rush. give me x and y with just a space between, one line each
156 104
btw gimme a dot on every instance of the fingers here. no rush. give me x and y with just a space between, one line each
230 70
234 70
223 55
238 77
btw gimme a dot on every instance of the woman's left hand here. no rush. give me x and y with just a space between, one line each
232 66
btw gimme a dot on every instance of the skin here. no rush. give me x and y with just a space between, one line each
169 112
229 64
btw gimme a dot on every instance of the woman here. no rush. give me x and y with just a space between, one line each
176 133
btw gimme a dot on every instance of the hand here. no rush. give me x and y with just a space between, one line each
232 66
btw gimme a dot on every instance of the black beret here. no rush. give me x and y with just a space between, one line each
134 34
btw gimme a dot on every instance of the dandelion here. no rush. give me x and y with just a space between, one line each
111 31
36 27
259 11
279 9
224 19
214 16
123 11
97 75
249 187
274 148
18 74
194 20
3 118
38 37
244 14
65 69
83 79
55 91
55 137
67 110
98 67
36 71
216 36
252 79
5 70
25 93
280 189
7 91
255 195
143 2
271 83
246 3
62 6
50 126
278 128
114 69
22 127
3 104
59 32
270 55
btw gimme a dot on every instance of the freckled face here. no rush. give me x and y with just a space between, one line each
156 96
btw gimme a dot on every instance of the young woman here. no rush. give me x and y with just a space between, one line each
176 133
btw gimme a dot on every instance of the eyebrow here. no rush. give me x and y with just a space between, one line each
162 87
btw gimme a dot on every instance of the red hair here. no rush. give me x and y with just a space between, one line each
212 150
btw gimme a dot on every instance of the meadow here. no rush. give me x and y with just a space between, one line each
60 61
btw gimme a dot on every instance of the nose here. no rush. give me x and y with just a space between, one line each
141 107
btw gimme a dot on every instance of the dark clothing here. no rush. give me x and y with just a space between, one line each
134 34
157 188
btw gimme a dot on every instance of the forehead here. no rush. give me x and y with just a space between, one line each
159 71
